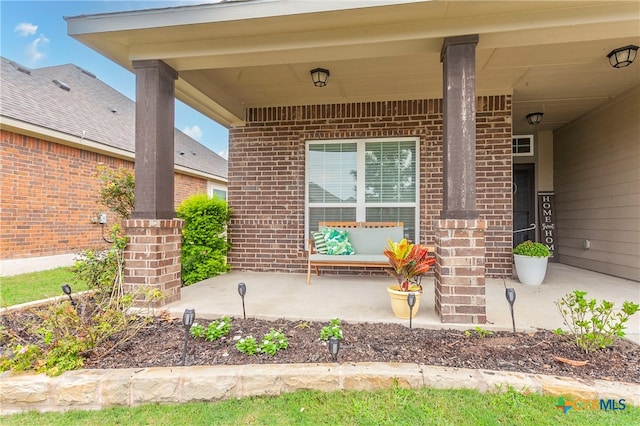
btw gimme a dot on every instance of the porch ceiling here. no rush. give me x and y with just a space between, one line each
239 54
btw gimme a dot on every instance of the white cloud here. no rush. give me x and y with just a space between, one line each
194 132
224 154
34 49
25 29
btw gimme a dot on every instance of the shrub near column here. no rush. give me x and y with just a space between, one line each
531 262
204 237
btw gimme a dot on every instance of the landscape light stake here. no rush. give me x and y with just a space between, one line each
334 347
510 293
242 290
411 301
66 289
187 321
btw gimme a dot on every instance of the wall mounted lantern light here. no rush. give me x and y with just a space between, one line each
623 56
534 118
319 76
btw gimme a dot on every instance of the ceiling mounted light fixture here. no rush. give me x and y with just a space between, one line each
534 118
623 56
319 76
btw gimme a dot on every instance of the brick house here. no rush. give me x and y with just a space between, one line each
429 98
58 124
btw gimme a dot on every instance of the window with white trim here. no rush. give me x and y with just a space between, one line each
368 180
522 145
216 190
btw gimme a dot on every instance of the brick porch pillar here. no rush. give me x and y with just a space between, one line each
152 258
459 275
459 272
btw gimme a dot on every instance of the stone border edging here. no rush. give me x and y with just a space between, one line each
96 389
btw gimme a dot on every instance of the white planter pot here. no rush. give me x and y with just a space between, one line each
530 270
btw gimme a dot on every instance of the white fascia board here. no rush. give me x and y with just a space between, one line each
213 12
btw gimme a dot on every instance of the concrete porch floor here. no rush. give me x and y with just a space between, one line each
365 299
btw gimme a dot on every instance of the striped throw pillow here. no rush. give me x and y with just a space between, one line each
319 243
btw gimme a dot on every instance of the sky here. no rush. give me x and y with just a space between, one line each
34 34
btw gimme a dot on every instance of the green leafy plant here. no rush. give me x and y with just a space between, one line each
204 239
60 335
272 342
117 191
530 248
594 325
103 270
218 329
481 332
196 330
408 262
334 329
247 345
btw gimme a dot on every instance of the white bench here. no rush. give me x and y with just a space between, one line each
369 239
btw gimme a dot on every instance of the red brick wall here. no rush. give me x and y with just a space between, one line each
267 173
49 196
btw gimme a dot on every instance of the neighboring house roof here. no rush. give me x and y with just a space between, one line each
72 101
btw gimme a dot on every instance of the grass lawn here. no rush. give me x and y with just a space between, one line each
390 407
23 288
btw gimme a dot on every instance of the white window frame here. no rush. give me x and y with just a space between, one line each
523 154
361 205
211 186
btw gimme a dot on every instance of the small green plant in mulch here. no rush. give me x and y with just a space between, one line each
334 329
272 342
247 345
479 331
214 331
593 325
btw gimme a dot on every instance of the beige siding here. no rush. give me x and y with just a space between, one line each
597 187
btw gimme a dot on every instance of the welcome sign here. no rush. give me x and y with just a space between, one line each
546 218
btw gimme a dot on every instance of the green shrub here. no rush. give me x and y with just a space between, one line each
593 324
204 239
103 270
117 191
61 334
529 248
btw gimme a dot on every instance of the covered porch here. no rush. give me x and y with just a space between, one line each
451 83
355 298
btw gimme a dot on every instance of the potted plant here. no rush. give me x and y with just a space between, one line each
408 262
531 262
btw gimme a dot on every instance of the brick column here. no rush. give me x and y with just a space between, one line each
152 258
459 272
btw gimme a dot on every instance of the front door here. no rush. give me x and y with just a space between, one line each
523 203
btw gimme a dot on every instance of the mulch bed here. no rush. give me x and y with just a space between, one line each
161 344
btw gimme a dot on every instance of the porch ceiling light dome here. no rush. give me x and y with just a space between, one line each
534 118
319 76
623 56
